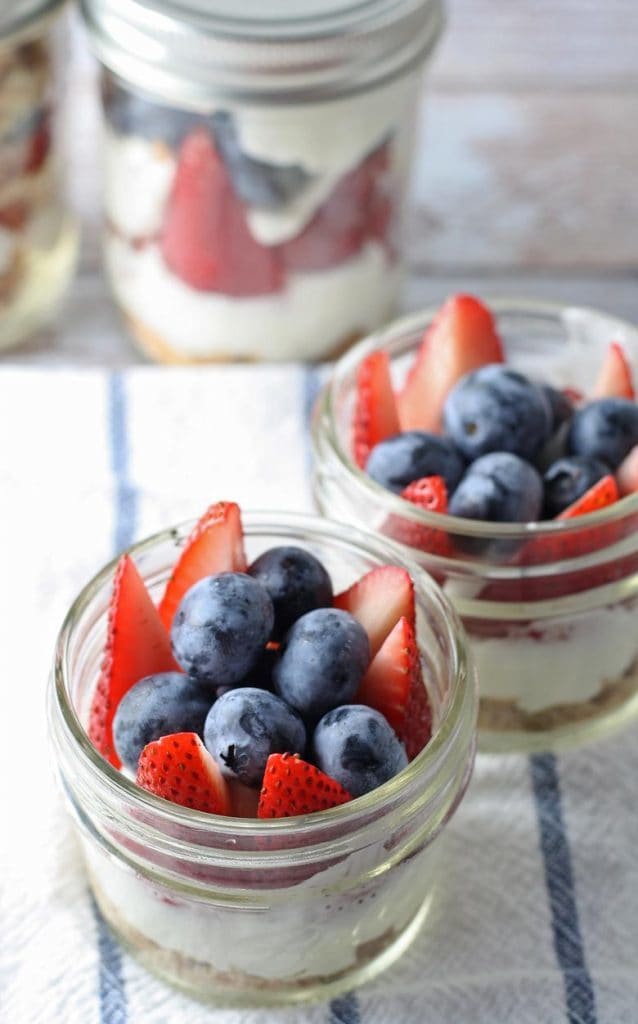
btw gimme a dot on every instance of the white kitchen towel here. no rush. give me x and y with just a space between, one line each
536 918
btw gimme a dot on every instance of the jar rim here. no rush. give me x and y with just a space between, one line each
26 17
324 428
192 53
426 765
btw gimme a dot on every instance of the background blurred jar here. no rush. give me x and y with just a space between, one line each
37 235
256 162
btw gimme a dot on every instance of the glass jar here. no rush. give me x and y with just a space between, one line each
38 239
550 608
256 158
257 912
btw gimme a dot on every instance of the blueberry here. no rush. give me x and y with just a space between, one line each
567 479
157 706
221 628
256 182
260 675
296 581
131 113
495 409
606 429
397 461
322 661
356 746
501 488
561 405
246 726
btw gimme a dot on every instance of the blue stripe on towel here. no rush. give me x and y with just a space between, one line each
579 990
111 992
345 1010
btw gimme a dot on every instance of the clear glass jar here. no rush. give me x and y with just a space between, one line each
256 158
554 635
257 912
38 239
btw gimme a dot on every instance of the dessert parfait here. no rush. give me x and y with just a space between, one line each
259 763
36 242
501 448
252 204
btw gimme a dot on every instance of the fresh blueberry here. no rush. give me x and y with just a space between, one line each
260 675
496 409
606 429
157 706
246 726
322 661
221 628
296 581
131 113
256 182
567 479
561 405
501 488
399 460
356 746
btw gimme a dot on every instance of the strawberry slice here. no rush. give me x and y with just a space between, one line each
378 600
429 493
462 337
292 786
416 731
137 645
627 473
615 379
180 769
206 241
375 412
604 492
215 545
392 674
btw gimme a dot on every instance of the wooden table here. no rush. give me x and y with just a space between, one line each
526 180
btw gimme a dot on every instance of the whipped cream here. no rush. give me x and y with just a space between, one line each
543 665
314 313
138 179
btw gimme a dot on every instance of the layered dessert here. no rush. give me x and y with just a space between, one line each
252 691
529 523
254 233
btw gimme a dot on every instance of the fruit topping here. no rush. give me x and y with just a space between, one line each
568 479
461 338
322 662
615 378
216 544
601 494
416 731
378 600
165 703
430 494
627 473
496 409
375 415
137 645
296 582
393 673
561 404
221 627
355 745
206 241
292 786
180 769
606 429
246 726
398 461
501 488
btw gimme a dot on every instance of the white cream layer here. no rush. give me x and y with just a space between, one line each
568 664
314 313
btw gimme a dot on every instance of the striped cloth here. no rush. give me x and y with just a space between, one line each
536 920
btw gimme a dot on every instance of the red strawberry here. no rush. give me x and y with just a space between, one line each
137 645
375 413
627 473
378 600
292 786
39 147
14 216
417 728
215 545
392 673
180 769
604 492
461 338
429 493
206 241
615 378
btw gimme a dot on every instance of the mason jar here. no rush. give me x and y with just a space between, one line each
550 608
37 234
250 911
255 165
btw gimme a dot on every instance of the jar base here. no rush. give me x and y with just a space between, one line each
202 982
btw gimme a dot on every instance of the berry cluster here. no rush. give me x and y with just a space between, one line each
212 699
